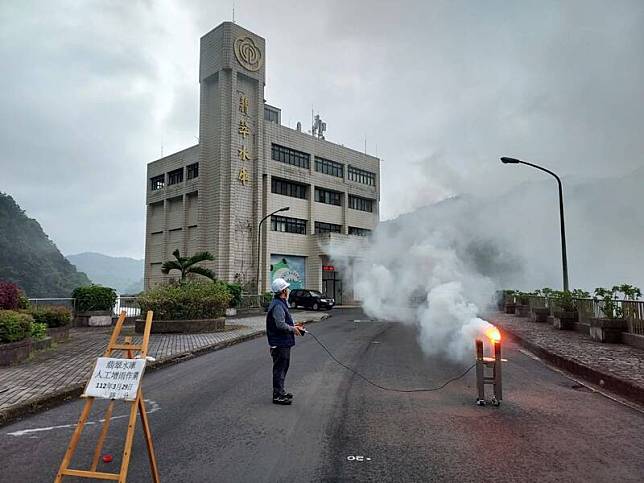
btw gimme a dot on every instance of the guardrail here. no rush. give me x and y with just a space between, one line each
70 303
588 308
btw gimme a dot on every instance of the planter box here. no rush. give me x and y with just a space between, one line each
94 318
540 315
42 344
14 352
182 326
58 334
510 307
522 310
607 330
565 320
230 312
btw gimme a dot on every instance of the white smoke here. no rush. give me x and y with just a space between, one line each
413 275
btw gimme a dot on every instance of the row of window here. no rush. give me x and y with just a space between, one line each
330 197
326 166
297 225
362 204
290 156
361 176
174 177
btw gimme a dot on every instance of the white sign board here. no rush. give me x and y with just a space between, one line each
115 378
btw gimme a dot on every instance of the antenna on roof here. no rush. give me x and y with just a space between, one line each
319 127
233 11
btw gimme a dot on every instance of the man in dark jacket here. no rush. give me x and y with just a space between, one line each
281 332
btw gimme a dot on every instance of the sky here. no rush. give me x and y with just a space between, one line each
91 91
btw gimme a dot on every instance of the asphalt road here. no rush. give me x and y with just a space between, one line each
212 420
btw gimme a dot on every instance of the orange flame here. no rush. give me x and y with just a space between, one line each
493 334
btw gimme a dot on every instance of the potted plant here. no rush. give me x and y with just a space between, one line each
267 297
541 314
15 336
510 304
609 328
522 308
631 294
94 305
565 314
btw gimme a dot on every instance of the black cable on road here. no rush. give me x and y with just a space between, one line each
368 381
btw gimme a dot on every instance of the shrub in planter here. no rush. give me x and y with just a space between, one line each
94 298
189 300
267 297
15 336
14 326
610 327
522 308
52 316
510 303
57 320
235 291
9 296
565 314
23 301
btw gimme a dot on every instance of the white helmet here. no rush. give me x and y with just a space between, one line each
279 284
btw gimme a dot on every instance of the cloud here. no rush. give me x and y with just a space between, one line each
91 91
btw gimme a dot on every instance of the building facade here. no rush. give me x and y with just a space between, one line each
213 196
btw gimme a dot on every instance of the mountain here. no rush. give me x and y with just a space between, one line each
30 259
121 273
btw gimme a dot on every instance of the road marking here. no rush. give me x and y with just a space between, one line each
153 407
358 458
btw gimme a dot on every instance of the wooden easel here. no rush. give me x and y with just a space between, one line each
138 403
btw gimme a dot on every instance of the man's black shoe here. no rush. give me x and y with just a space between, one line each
288 395
282 400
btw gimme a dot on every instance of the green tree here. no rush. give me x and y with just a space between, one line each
187 265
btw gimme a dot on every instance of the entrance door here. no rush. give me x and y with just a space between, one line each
332 286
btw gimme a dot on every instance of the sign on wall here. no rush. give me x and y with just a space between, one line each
290 268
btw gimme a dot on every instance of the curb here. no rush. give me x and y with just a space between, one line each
605 380
49 401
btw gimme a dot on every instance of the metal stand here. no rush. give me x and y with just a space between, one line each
494 380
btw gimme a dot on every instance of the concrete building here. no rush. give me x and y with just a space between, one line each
213 196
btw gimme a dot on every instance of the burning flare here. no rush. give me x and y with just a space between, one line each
493 334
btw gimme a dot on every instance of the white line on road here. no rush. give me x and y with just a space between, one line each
154 407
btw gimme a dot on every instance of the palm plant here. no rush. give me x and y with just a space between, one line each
187 265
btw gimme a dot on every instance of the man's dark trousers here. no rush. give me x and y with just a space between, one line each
281 360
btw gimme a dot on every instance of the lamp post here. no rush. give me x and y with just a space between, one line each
259 237
564 257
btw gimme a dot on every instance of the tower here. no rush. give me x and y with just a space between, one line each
231 76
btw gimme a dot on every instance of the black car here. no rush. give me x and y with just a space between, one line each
309 299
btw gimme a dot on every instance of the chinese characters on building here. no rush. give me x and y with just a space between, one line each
115 378
244 131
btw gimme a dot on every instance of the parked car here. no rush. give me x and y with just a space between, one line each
310 299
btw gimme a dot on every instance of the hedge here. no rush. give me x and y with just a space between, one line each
189 300
14 326
52 316
94 297
9 296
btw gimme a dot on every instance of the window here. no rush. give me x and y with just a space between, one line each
361 176
175 176
288 188
329 167
354 230
290 156
288 225
271 116
362 204
157 182
329 197
321 227
192 171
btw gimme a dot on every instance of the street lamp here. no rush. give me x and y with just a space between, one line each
259 237
564 257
